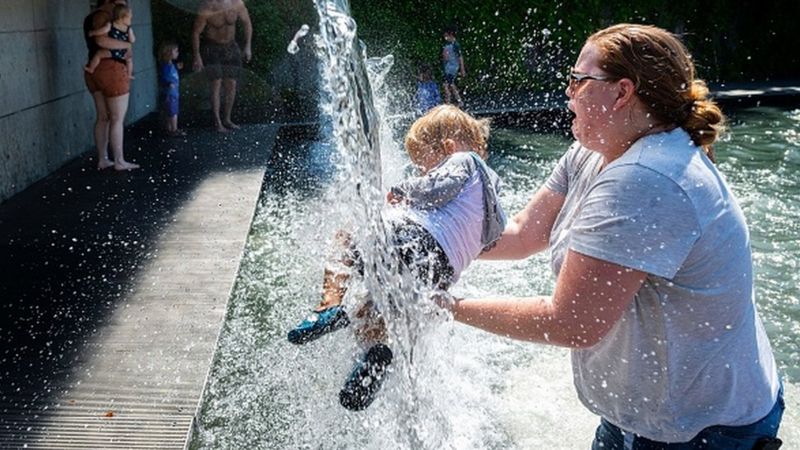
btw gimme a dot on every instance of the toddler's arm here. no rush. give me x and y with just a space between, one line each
437 187
103 53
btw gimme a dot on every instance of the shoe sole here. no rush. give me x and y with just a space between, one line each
299 337
366 379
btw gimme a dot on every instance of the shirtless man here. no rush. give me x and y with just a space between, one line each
219 53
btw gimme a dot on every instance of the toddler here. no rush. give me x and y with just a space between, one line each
438 222
169 87
427 90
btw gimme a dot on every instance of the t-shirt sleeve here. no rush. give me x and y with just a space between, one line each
438 186
559 179
637 218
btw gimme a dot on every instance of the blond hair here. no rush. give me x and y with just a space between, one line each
664 75
121 11
444 122
165 51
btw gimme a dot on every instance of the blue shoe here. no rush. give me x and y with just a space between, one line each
319 324
366 378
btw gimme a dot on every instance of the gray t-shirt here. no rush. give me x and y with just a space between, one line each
691 351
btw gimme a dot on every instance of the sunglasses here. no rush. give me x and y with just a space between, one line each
576 78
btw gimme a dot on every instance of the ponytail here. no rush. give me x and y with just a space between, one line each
704 120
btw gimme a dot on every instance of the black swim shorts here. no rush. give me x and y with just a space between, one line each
221 60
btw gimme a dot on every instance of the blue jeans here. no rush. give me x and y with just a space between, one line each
610 437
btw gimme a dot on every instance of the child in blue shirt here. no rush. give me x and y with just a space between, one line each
169 87
427 90
453 63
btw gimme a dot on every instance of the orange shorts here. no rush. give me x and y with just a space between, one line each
110 77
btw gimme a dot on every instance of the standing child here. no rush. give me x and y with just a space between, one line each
453 65
427 90
438 222
119 29
169 87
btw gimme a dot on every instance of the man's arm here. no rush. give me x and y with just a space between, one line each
244 16
197 30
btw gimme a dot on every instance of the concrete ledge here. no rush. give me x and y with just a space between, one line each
115 289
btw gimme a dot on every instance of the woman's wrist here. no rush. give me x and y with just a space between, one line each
446 300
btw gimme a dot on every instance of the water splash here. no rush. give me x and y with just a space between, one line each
349 77
294 47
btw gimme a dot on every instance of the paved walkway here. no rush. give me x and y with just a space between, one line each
114 289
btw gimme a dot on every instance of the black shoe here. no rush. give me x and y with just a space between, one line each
366 378
319 324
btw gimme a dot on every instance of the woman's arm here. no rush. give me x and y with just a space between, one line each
110 43
528 232
101 31
590 297
131 36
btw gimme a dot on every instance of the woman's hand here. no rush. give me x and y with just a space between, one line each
444 299
392 199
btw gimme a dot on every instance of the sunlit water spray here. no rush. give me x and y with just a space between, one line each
450 386
293 47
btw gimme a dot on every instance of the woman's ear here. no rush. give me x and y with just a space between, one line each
625 93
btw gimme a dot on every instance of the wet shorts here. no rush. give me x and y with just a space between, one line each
221 60
110 78
417 250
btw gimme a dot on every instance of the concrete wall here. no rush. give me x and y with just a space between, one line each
46 113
